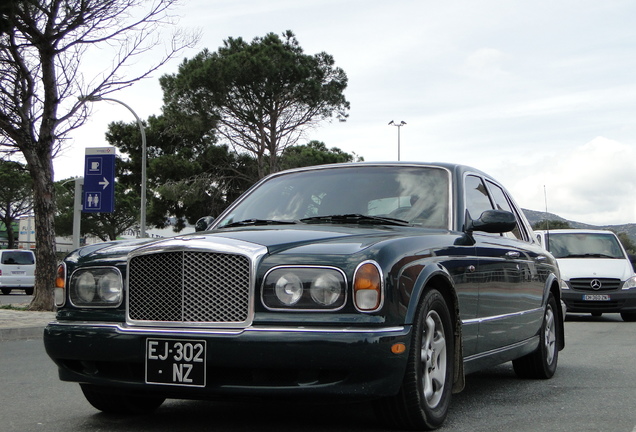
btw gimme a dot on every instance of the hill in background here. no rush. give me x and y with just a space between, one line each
537 216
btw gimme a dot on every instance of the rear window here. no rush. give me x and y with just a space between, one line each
18 257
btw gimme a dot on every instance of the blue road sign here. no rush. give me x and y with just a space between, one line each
99 180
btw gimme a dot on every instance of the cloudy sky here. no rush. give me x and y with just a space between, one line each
540 94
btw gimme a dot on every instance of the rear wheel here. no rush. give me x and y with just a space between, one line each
542 363
423 400
6 291
28 291
115 401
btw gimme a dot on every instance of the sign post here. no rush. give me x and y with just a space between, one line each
99 180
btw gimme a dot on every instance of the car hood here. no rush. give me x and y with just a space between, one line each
332 239
595 268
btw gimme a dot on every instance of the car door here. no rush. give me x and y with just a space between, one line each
509 289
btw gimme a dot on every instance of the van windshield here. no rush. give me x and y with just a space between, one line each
18 258
584 245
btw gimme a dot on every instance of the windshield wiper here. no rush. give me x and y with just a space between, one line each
356 218
255 222
589 255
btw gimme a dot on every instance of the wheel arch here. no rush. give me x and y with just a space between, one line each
553 287
435 276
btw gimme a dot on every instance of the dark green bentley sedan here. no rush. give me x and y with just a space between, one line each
386 281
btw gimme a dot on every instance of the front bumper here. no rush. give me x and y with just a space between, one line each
253 361
616 301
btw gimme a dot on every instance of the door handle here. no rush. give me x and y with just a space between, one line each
512 254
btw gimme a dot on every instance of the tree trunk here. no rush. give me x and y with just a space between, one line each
10 234
41 170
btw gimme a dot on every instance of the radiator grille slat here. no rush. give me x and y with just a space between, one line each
585 284
189 287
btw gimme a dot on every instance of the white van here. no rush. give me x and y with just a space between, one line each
17 270
597 275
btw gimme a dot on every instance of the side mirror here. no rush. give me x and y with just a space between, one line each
493 221
203 223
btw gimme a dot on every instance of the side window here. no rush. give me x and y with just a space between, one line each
502 203
477 200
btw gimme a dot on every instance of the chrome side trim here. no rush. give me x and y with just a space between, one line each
124 329
500 317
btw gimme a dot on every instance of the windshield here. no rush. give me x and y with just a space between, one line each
584 245
418 195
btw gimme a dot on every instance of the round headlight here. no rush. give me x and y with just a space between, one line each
109 287
325 289
288 289
85 287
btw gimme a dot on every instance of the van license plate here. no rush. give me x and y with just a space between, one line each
175 362
596 297
18 272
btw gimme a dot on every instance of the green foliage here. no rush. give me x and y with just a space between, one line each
16 196
627 242
263 94
314 153
551 224
188 176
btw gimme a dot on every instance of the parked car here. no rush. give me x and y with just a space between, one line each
387 281
597 274
17 270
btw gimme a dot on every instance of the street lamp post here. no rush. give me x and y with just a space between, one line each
142 217
399 125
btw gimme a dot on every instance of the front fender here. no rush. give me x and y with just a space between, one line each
415 279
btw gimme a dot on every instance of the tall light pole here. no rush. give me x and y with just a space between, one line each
399 125
142 222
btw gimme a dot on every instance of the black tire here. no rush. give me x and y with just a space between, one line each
424 397
542 363
114 401
28 291
6 291
628 316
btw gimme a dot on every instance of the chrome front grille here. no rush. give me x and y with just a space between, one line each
189 287
600 284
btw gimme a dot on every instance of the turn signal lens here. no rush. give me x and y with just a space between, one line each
60 284
398 348
367 287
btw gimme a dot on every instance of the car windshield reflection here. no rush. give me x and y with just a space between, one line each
416 196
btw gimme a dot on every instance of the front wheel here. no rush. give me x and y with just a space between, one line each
542 363
628 316
113 401
6 291
423 400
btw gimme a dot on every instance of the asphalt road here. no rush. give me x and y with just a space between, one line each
16 297
594 389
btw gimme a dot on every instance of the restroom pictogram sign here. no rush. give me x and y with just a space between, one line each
99 180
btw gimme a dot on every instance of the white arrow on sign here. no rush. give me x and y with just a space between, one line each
104 183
